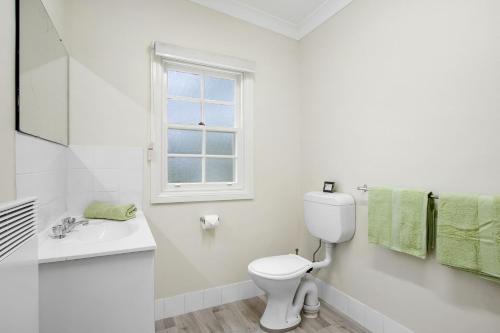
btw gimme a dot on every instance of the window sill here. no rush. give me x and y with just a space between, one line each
173 197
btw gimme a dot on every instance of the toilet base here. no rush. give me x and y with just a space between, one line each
281 330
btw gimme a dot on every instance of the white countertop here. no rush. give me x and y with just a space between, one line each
98 238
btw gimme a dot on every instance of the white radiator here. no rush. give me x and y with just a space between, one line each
19 267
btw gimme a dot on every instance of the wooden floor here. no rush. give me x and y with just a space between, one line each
243 316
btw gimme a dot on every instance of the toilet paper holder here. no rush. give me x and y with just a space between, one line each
209 221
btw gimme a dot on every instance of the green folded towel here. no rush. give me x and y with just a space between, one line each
468 233
401 220
109 211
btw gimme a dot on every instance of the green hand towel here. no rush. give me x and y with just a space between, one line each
458 231
399 219
109 211
469 234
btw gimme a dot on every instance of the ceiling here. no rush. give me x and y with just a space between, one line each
292 18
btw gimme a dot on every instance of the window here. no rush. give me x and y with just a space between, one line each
201 128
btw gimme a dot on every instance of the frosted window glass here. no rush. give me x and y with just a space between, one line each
183 112
219 115
184 141
184 170
220 170
184 84
220 143
219 89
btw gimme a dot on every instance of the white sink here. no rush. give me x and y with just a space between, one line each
98 238
100 231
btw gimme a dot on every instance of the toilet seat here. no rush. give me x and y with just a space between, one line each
280 267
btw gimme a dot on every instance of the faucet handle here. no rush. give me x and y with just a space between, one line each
68 221
58 231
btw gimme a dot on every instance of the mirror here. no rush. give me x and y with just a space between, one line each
42 71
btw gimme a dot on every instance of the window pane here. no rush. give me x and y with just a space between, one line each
220 143
219 89
219 115
184 141
183 112
220 170
183 84
184 170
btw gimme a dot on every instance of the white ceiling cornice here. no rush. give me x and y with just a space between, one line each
274 23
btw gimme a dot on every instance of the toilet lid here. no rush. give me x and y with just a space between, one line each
280 267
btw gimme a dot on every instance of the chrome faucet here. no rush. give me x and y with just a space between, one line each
67 225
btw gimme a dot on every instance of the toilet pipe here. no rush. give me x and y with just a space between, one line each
306 296
328 257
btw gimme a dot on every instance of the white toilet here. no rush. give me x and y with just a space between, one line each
285 279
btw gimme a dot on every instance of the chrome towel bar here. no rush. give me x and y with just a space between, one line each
364 188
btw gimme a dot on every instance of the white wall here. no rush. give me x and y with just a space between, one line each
110 99
7 98
103 173
405 93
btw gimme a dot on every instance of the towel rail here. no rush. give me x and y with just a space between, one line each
364 188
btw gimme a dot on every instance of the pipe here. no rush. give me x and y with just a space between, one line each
306 296
328 257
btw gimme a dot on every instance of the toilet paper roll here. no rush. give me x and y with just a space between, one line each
209 221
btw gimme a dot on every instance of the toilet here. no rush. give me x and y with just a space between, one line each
285 279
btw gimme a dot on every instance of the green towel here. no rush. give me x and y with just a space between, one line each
468 234
109 211
400 219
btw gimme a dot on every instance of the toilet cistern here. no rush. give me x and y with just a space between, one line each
286 280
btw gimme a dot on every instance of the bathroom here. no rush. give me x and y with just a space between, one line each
116 102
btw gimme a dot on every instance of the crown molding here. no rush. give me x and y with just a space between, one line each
320 15
273 23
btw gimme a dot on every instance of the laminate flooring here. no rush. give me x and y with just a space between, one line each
244 316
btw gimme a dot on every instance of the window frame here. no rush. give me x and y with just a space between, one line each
242 187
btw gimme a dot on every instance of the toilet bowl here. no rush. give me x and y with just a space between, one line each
279 277
285 279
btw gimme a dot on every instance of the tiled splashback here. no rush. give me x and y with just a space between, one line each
104 173
41 170
67 179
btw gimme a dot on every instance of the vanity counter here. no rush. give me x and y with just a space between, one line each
98 238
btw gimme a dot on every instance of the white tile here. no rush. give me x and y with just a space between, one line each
27 185
77 202
106 180
131 180
249 289
391 326
81 157
132 158
158 309
43 217
131 197
374 321
193 301
356 311
107 157
113 197
80 180
258 291
212 297
238 291
337 299
173 306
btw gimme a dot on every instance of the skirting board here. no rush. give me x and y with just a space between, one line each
359 312
203 299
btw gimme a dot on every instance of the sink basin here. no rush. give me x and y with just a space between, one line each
97 238
100 231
